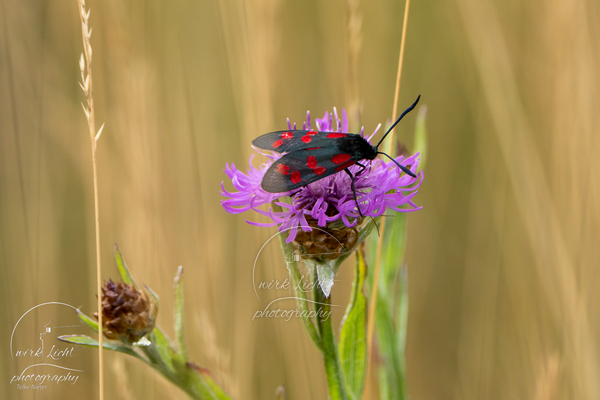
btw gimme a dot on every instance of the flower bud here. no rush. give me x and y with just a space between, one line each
325 243
127 314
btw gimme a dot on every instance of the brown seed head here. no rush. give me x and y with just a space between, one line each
325 243
127 314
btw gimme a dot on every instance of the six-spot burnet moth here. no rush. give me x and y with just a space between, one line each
314 155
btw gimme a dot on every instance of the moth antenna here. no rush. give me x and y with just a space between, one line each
403 168
409 109
308 120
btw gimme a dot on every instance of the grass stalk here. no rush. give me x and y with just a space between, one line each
85 64
373 300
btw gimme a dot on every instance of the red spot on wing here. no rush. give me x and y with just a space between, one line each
283 169
306 139
319 170
278 143
311 162
345 165
334 135
287 135
311 133
313 148
340 158
296 177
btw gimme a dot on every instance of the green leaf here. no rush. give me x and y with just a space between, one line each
391 311
326 276
79 339
392 374
122 267
353 348
161 352
87 320
402 325
393 250
87 341
205 385
154 295
179 313
421 136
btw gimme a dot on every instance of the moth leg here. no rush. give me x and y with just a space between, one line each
354 189
363 167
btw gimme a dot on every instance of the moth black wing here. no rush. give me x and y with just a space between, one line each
292 140
301 167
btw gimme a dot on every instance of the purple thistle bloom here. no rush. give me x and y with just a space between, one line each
380 186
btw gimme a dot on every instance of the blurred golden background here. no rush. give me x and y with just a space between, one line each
503 260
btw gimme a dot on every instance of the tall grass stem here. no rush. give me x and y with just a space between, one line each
373 302
85 65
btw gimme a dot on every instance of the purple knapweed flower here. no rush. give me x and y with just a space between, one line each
380 186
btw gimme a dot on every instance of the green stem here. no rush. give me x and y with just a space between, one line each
335 380
301 300
196 382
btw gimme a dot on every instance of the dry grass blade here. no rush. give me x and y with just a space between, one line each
85 65
354 46
554 260
373 301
